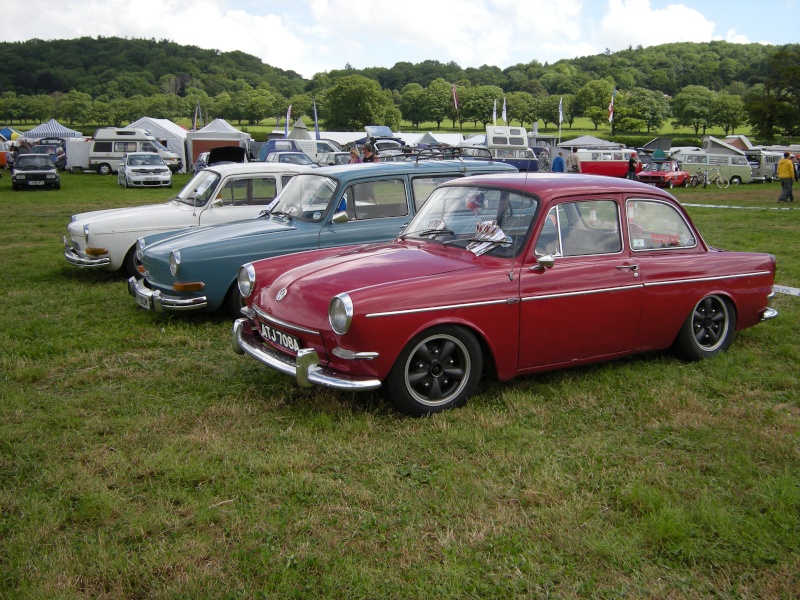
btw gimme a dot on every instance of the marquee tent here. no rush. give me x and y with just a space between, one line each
590 142
217 133
51 129
170 134
9 133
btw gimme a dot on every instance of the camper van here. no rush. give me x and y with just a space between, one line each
733 166
111 143
612 163
510 145
762 163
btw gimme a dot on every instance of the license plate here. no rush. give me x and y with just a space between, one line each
36 183
151 178
143 301
284 340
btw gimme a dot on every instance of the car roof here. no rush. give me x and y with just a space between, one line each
547 185
414 167
256 167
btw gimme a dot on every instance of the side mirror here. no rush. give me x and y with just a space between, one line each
339 217
216 203
546 261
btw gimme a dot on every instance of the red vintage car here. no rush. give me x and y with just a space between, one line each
505 275
666 173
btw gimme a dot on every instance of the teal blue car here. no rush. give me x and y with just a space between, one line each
196 270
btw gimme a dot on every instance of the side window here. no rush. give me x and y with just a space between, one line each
285 179
124 146
581 229
377 199
264 190
423 187
102 146
655 225
234 192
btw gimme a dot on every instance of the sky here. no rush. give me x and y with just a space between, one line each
315 36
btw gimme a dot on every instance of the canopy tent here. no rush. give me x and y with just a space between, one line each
172 135
299 131
589 142
430 138
9 134
217 133
51 129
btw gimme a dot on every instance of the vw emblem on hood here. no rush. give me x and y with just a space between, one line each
281 294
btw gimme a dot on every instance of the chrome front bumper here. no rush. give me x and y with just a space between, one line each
305 368
158 302
76 260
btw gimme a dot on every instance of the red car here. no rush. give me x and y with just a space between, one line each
505 275
664 174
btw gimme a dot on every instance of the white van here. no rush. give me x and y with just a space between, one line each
763 163
733 166
111 143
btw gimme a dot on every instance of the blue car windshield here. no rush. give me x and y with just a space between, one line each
305 197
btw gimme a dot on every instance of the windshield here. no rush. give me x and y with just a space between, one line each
658 167
199 189
33 162
482 220
305 197
145 160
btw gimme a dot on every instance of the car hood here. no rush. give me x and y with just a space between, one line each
120 219
360 271
216 234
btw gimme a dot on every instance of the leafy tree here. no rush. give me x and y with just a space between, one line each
412 106
75 107
595 94
437 99
354 102
548 108
649 107
774 106
692 107
728 112
522 107
479 103
40 108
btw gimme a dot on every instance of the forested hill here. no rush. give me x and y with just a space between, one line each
108 67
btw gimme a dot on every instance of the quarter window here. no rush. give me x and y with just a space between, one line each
656 225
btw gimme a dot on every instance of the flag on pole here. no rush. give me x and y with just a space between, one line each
494 113
454 100
286 125
316 122
561 110
611 106
505 120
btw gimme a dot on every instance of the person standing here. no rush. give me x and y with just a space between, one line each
558 163
633 161
786 176
369 153
355 158
573 162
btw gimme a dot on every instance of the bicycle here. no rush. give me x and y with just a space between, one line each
709 176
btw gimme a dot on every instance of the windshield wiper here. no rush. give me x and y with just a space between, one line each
428 233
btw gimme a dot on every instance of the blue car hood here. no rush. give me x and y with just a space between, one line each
213 234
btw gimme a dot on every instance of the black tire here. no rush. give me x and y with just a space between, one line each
736 180
670 184
233 302
104 169
686 182
708 330
129 264
437 370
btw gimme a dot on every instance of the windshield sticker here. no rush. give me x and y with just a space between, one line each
487 236
436 224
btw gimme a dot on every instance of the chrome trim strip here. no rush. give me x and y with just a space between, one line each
582 292
84 263
352 355
159 302
436 308
282 323
695 279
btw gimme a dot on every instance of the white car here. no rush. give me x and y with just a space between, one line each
143 169
106 239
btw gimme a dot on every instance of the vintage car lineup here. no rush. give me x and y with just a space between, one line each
466 268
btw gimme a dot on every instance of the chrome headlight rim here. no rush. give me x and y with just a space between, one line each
175 262
140 244
340 313
246 280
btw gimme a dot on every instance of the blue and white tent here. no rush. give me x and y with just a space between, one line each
51 129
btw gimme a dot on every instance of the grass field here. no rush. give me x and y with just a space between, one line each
141 458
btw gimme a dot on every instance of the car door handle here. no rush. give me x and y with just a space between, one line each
633 268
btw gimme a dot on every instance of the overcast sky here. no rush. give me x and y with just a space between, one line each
312 36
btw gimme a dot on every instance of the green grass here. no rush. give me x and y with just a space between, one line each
141 458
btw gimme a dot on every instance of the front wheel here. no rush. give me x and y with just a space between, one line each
722 182
438 369
670 184
104 169
708 330
736 180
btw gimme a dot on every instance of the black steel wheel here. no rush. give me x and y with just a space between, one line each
708 330
438 369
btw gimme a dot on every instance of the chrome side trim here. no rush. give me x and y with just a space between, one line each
411 311
351 355
260 312
695 279
305 369
582 292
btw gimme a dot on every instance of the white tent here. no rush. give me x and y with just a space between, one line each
589 142
172 135
51 129
217 133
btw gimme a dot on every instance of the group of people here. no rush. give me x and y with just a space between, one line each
787 174
572 164
368 155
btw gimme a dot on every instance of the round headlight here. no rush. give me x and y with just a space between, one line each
175 262
246 280
340 313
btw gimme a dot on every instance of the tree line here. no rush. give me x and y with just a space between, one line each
113 81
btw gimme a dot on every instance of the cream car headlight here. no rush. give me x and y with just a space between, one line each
246 280
340 313
175 262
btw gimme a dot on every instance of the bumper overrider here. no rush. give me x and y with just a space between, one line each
305 367
76 260
156 301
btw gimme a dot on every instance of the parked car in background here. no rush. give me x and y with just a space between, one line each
106 239
33 172
291 158
333 158
502 274
56 154
611 163
664 173
221 155
325 207
143 169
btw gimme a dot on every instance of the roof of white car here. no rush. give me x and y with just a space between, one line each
256 167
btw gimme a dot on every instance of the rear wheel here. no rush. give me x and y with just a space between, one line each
438 369
129 263
104 169
708 330
722 182
233 302
736 180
